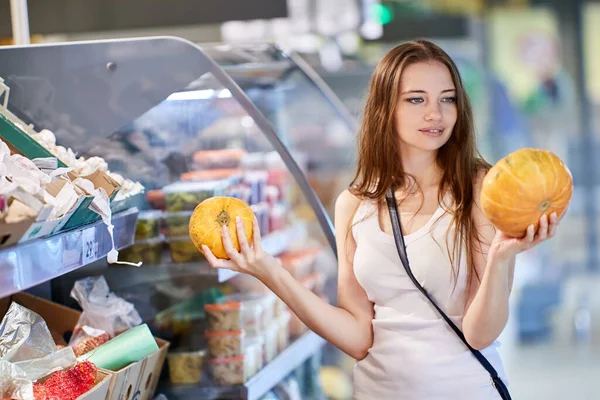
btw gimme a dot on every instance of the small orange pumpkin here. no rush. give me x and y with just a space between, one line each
209 217
522 187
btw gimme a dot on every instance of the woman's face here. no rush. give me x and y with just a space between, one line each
426 113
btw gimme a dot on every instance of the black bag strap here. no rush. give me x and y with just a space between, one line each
401 247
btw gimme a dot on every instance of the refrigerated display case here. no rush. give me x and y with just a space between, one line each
162 111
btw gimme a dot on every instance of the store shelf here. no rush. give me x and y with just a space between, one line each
274 243
283 365
273 373
31 263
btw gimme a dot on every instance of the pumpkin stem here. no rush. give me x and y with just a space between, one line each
545 205
223 218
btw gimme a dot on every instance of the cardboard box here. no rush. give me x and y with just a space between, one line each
83 215
136 381
11 233
58 318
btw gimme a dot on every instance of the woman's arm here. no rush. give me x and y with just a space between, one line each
347 326
487 309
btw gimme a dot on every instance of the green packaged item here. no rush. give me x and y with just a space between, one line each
177 223
147 251
148 224
183 251
129 347
185 196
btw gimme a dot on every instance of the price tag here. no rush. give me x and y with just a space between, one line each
89 246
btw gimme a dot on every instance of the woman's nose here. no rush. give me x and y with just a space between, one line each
433 113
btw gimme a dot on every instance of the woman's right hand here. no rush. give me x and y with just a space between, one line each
252 260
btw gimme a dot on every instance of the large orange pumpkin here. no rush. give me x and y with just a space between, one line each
522 187
209 217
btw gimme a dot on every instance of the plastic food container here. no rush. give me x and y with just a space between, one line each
271 345
183 250
277 215
214 159
261 211
177 223
182 196
254 348
283 331
279 307
260 310
185 368
234 176
300 263
156 198
148 224
234 370
147 251
257 180
315 282
225 344
233 315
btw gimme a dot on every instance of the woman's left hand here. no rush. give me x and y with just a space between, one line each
506 247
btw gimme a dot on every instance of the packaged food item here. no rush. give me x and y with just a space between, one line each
314 282
272 195
148 224
277 215
182 196
234 176
300 263
270 343
258 310
261 211
215 159
254 349
156 198
225 344
177 223
147 251
297 327
257 180
233 370
283 331
185 367
279 307
183 250
235 312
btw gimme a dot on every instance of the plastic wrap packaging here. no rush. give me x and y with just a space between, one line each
27 351
13 382
102 309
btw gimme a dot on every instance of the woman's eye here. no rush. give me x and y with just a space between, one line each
415 100
449 100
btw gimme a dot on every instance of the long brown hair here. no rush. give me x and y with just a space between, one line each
379 156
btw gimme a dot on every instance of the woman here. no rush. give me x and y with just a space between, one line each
417 135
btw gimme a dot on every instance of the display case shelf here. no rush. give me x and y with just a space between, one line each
29 264
266 379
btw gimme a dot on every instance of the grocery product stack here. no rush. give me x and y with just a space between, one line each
162 233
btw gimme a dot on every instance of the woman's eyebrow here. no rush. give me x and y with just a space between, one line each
422 91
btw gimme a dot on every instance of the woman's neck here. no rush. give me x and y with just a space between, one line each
422 166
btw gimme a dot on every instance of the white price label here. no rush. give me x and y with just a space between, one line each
90 246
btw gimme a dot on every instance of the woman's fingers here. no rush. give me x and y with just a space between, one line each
241 235
542 233
256 234
553 224
216 262
233 254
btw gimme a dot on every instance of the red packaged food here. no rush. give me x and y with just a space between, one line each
67 385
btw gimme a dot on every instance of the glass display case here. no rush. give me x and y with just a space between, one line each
191 123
